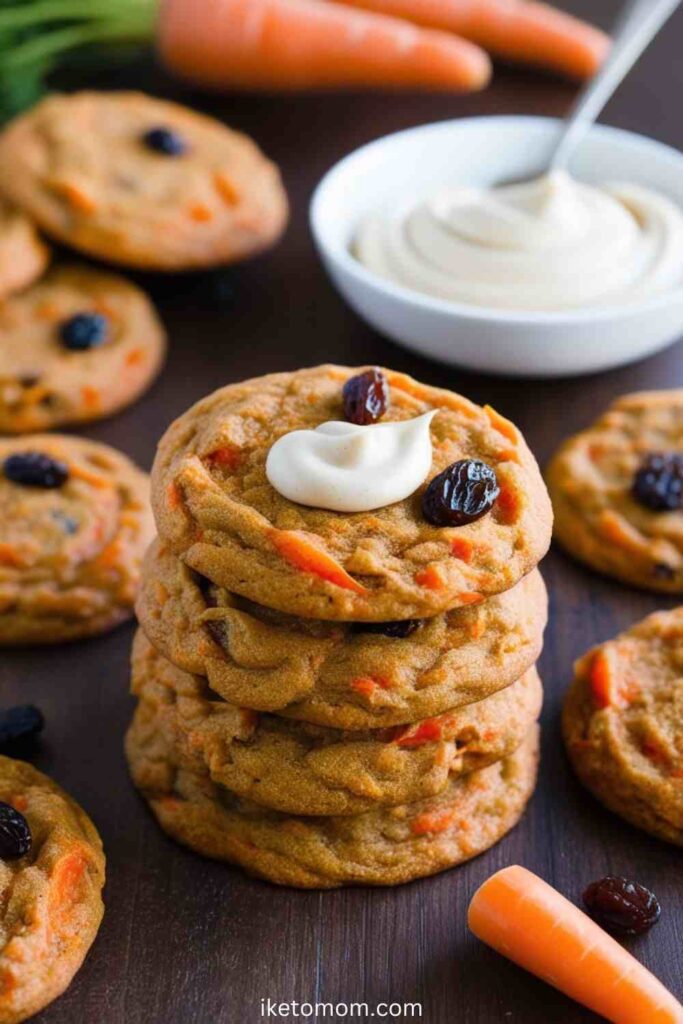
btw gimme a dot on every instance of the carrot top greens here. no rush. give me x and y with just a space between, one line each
38 37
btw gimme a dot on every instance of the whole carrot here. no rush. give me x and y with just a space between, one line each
303 44
528 921
523 30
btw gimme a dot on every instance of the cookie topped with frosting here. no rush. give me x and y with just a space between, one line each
473 527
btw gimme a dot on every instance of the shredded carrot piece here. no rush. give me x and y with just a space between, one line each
365 686
502 425
109 556
470 597
601 681
92 398
429 577
10 556
462 548
431 821
428 731
135 357
173 496
77 197
200 212
226 188
508 505
229 456
295 547
81 473
47 310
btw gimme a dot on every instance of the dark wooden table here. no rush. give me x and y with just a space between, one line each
186 940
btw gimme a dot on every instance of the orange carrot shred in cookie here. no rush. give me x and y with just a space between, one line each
507 505
77 197
501 424
173 496
227 455
429 577
601 681
87 475
462 548
295 547
431 821
200 212
470 597
10 556
226 188
429 731
92 399
135 357
364 686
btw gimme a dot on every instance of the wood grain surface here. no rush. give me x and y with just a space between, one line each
186 940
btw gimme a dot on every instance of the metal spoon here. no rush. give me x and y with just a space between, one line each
638 24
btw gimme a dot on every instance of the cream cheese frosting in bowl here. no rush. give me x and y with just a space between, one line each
561 275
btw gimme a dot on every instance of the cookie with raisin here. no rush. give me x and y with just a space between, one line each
141 182
346 675
412 558
78 345
51 878
617 491
75 524
298 768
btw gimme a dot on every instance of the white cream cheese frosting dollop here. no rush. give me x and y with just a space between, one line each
344 467
549 244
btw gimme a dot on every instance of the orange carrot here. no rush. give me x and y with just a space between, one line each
528 921
295 547
523 30
301 44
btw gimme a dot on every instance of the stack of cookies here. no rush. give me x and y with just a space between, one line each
340 622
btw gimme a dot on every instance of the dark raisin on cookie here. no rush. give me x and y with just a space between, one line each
15 834
658 482
620 906
396 630
33 469
461 494
84 331
366 397
165 141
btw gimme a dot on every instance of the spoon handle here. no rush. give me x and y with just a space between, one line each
639 23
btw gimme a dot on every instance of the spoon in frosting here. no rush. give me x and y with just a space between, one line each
639 23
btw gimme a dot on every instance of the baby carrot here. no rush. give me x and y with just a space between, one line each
300 44
523 30
528 921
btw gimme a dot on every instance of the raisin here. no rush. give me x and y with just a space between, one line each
662 571
15 834
165 141
20 723
620 906
366 397
658 482
84 331
397 630
32 469
462 493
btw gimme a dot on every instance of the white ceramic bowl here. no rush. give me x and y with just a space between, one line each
487 150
